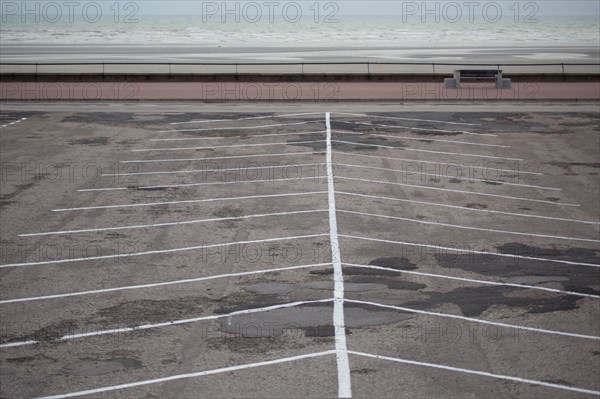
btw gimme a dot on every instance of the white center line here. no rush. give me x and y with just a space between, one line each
343 366
480 373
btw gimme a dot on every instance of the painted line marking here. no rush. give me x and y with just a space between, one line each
427 151
220 158
420 139
161 251
69 337
404 172
456 191
343 365
468 251
421 129
13 123
189 375
172 172
244 119
479 373
467 227
238 137
470 280
411 119
441 163
85 208
316 179
239 127
228 146
162 284
181 223
474 320
465 208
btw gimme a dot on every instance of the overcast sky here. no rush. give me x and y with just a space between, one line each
378 7
344 7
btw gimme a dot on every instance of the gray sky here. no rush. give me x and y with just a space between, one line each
393 7
343 7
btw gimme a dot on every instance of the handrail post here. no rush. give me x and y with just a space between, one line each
563 68
103 68
433 65
236 68
36 68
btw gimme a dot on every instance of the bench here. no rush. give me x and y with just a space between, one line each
477 74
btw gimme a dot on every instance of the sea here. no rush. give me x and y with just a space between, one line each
297 35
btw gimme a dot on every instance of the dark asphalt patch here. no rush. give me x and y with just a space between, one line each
572 278
473 301
89 141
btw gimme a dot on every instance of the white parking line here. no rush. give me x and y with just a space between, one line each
171 172
420 139
474 320
467 166
245 119
479 373
456 191
13 123
316 179
408 119
465 208
439 175
427 151
470 280
162 284
421 129
456 226
240 127
343 366
237 137
181 223
189 375
168 323
84 208
228 146
161 251
469 251
221 158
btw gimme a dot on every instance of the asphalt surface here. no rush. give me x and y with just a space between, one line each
295 91
190 253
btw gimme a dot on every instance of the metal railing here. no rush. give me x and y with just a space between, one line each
367 66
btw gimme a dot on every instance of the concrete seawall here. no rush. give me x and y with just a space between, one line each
278 78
